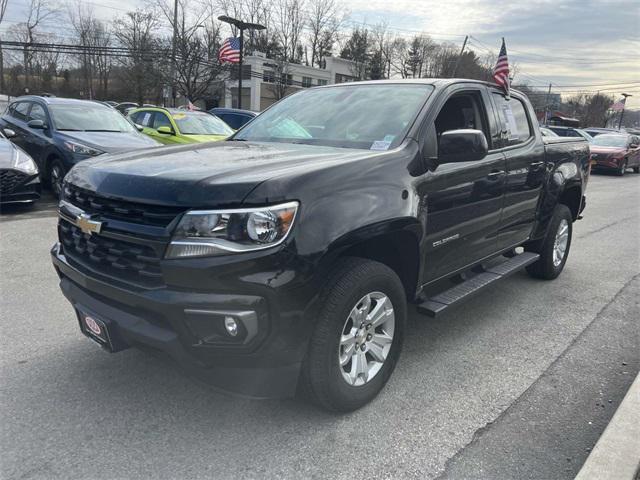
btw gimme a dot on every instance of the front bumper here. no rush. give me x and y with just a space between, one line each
184 323
25 189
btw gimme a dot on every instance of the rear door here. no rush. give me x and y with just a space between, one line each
37 139
463 200
526 169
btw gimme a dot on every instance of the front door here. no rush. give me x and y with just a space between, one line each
463 200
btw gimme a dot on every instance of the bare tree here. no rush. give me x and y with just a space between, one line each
3 10
94 59
38 12
324 21
134 31
288 22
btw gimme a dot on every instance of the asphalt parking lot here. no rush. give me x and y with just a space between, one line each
518 383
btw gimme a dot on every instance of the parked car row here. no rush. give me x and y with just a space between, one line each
611 150
53 134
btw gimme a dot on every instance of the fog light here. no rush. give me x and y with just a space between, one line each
231 325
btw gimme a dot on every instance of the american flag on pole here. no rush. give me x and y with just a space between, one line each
619 105
501 70
230 50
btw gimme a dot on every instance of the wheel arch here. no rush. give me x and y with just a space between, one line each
397 248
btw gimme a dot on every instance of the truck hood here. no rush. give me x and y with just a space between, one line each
203 175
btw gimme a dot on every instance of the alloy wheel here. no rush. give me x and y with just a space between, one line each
560 243
366 339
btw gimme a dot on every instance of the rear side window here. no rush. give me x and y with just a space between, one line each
514 118
21 110
234 120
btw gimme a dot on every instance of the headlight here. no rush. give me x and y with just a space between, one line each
220 232
25 163
80 149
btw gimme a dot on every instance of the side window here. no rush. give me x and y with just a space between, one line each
21 110
161 120
135 117
233 120
145 119
37 112
515 119
462 110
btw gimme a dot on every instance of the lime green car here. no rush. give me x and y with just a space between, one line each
173 126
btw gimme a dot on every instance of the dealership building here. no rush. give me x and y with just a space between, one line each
265 81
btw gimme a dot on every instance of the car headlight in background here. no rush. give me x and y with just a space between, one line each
24 163
81 149
220 232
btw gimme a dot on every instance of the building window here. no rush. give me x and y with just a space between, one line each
287 79
306 82
340 78
268 76
321 82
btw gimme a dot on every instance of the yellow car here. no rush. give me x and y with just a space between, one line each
172 126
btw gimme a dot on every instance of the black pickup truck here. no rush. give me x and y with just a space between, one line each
284 260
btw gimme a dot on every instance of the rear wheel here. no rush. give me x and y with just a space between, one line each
636 169
554 248
623 168
358 336
56 176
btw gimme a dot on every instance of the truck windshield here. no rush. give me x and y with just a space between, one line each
88 118
374 117
610 141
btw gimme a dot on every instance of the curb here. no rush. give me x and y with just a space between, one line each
616 455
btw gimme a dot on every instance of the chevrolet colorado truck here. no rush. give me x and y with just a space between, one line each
284 260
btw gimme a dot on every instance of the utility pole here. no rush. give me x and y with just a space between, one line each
173 53
455 68
624 102
546 105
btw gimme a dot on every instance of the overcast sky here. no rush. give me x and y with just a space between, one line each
594 44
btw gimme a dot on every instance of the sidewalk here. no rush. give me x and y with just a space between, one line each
617 453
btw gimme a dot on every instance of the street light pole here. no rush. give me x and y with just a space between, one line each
624 103
241 26
173 53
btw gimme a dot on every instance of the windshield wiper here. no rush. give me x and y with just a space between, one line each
70 130
103 130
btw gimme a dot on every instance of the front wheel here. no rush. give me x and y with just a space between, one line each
554 248
636 169
623 168
357 338
56 176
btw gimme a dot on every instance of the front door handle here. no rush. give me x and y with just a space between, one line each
495 174
536 164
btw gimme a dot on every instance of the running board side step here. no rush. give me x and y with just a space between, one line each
467 289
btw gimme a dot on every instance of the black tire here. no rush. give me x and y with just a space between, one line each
56 174
623 168
636 169
321 378
545 267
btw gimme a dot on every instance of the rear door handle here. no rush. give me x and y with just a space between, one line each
495 174
536 164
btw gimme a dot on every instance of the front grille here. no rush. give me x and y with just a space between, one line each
128 261
10 179
103 207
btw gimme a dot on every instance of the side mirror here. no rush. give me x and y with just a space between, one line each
462 146
166 130
140 128
634 145
37 124
9 133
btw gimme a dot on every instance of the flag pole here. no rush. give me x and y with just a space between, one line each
240 69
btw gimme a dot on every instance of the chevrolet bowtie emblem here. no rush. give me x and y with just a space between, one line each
84 223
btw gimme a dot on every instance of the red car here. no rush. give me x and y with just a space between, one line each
615 152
